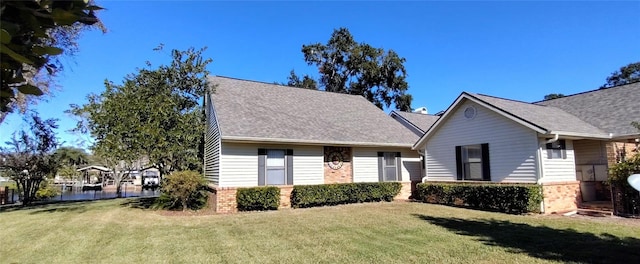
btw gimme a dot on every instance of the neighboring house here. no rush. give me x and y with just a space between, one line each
563 144
264 134
417 122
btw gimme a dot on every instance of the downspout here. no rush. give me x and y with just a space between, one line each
541 164
423 155
424 159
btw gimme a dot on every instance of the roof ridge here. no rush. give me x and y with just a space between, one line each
507 99
284 86
585 92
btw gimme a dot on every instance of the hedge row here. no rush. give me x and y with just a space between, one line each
495 197
258 198
332 194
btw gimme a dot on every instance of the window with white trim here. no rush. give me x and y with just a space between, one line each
557 149
275 167
472 162
389 166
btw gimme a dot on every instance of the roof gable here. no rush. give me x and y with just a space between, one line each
254 111
542 119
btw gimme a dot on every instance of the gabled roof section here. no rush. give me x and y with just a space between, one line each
262 112
421 122
612 109
540 118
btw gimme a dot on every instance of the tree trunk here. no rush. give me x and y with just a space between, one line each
184 205
119 189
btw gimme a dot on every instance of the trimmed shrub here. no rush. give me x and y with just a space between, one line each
183 190
508 198
343 193
258 198
46 191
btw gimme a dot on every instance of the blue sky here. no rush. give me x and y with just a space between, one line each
517 50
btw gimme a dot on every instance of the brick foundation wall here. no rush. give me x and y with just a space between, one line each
561 197
223 199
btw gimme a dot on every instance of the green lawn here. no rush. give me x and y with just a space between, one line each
115 231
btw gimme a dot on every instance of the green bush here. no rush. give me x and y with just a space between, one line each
183 190
626 199
258 198
508 198
343 193
46 191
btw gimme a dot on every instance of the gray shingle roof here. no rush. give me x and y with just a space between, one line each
549 118
611 110
422 121
267 112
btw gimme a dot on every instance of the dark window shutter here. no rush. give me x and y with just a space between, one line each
262 169
459 162
380 168
563 146
289 169
486 163
399 166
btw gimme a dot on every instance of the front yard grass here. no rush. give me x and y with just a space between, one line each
114 231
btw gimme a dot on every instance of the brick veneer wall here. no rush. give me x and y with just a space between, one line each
223 199
561 197
342 175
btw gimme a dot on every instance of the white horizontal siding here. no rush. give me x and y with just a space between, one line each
411 166
212 145
512 147
558 170
240 164
308 165
365 164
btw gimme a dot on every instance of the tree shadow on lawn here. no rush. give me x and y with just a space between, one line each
140 203
49 207
565 245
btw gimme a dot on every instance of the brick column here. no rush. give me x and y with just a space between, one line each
561 197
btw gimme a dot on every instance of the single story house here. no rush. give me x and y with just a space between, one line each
565 144
265 134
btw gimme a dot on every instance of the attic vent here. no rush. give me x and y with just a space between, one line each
470 112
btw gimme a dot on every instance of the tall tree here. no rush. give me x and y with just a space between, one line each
33 34
346 66
28 159
306 82
626 75
71 156
553 96
155 113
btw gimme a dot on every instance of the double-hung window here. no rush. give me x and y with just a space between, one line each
389 166
557 149
472 162
275 167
